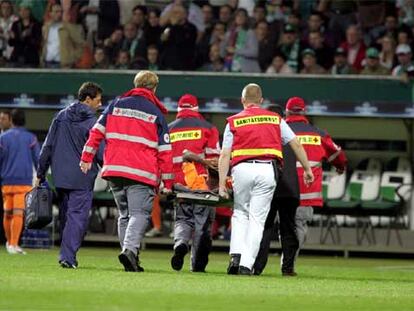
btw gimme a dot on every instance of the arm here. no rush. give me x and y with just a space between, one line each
303 159
334 154
223 166
212 149
165 163
46 152
96 136
251 48
224 161
34 149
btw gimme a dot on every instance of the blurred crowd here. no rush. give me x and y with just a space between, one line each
273 37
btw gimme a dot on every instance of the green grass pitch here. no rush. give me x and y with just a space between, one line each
36 282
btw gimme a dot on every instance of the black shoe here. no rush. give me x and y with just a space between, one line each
177 261
128 259
140 269
67 265
199 270
257 271
244 271
234 263
292 273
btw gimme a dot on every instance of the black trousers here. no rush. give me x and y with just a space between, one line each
286 207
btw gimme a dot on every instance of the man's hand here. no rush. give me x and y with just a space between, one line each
85 167
166 191
38 182
308 177
223 192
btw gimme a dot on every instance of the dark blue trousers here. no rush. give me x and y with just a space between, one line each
74 207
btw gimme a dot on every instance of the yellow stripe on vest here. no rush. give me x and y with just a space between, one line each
256 120
185 135
256 152
309 139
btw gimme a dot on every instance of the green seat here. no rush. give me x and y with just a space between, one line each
103 195
379 204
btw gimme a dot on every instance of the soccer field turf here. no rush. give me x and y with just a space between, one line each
36 282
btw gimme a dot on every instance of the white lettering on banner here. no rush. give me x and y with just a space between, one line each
136 114
134 139
129 170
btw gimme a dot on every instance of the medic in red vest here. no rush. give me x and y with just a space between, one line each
191 132
319 147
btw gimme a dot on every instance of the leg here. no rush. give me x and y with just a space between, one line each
269 227
288 237
184 224
203 219
303 215
78 206
8 212
260 201
242 183
63 207
121 201
140 199
183 230
18 212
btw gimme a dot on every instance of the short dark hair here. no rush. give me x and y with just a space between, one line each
142 8
18 117
89 89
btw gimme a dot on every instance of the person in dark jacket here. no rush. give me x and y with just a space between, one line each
62 151
19 153
285 202
25 38
178 41
105 17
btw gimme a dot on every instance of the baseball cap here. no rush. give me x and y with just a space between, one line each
188 101
295 104
289 28
308 52
403 49
372 53
340 51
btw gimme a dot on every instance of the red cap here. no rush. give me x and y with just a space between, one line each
295 104
188 101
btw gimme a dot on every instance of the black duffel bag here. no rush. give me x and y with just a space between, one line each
38 212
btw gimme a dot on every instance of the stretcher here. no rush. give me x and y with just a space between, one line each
203 197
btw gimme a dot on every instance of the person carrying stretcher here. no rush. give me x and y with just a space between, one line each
195 146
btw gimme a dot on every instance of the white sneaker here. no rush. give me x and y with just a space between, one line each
11 249
154 232
20 250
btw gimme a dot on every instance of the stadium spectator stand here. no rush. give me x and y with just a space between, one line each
185 34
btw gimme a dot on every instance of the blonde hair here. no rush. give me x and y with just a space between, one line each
252 93
146 79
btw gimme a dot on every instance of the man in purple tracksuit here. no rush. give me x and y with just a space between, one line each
62 150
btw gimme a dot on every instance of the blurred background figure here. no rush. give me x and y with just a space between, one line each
19 155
